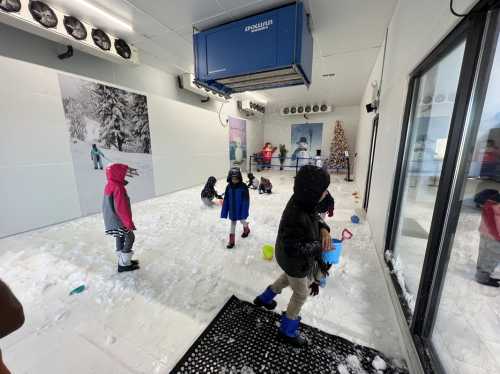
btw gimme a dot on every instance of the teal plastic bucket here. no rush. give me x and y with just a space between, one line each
333 256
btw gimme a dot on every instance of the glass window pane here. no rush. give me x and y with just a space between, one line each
466 333
429 128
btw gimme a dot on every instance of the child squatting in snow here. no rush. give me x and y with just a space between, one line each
302 238
236 204
209 193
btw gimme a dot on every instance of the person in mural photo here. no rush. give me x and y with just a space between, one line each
265 186
96 156
267 155
488 259
209 193
302 238
283 153
117 214
236 204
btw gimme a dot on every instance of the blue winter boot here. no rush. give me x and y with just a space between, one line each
289 332
265 299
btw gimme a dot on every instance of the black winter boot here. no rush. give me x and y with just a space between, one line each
130 267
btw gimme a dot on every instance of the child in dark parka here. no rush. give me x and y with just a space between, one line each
302 237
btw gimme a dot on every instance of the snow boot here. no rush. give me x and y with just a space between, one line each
491 282
130 267
125 262
265 299
289 332
230 244
246 231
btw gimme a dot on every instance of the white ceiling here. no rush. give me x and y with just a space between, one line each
347 34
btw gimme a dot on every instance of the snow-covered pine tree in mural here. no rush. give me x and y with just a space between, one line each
74 113
338 148
140 122
111 108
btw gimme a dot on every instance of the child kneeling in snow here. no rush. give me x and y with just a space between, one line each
208 194
302 237
253 182
236 204
265 186
117 215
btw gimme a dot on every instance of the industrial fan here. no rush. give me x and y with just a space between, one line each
43 14
75 28
101 39
122 48
10 5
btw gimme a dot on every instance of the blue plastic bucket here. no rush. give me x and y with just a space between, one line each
322 282
333 256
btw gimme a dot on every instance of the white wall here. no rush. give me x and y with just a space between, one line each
365 127
277 128
415 29
37 183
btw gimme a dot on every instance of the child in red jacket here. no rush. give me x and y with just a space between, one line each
489 242
117 215
267 155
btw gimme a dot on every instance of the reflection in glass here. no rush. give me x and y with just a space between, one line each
428 133
466 334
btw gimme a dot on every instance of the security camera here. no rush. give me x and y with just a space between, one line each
371 107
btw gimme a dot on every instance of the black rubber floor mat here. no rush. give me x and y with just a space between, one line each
242 339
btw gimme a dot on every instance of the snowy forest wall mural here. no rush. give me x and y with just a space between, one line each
106 125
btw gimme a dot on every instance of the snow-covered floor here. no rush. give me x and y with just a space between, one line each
143 322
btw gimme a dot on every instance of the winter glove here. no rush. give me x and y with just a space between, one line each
314 289
325 268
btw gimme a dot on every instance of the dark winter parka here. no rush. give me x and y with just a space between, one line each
298 244
209 191
236 200
327 205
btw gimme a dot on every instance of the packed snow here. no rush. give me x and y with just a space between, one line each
143 322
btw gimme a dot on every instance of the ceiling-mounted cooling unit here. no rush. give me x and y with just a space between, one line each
39 18
251 107
268 50
186 81
305 109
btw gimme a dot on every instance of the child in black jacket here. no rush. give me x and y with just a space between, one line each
302 238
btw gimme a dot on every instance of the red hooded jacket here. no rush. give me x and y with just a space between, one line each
116 192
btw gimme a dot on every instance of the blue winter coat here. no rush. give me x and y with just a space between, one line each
236 202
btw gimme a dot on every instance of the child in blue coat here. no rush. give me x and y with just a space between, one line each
236 204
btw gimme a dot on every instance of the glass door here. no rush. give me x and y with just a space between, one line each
429 123
464 325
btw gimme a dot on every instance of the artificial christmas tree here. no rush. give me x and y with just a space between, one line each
338 148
